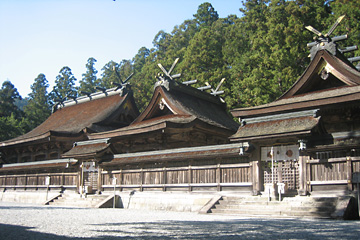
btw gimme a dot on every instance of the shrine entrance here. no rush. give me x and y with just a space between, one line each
89 182
282 166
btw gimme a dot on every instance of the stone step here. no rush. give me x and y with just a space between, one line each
319 207
74 200
272 205
272 213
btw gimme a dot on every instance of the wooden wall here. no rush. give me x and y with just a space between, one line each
213 175
37 181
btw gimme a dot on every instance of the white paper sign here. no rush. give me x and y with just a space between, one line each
90 167
47 180
288 152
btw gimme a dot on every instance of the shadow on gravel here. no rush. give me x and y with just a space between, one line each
8 232
234 229
32 207
210 230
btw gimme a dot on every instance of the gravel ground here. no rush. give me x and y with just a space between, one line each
23 221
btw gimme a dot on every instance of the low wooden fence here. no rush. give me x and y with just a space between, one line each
332 173
185 178
38 181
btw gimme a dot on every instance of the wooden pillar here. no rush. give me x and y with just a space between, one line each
349 173
255 177
141 179
99 181
164 179
120 180
26 181
218 176
78 182
190 177
304 172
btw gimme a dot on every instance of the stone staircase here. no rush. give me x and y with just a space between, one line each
292 207
75 200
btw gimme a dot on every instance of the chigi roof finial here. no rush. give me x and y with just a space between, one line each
325 41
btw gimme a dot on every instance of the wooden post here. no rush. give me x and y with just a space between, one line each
349 173
141 179
218 177
37 181
25 181
255 176
120 180
308 175
190 177
303 173
164 179
99 181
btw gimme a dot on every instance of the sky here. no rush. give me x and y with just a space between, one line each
42 36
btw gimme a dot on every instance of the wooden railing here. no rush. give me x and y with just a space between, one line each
189 178
38 181
332 171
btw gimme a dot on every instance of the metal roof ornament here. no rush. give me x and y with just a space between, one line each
168 73
216 91
123 84
325 41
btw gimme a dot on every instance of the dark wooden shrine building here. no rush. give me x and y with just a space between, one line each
185 140
319 115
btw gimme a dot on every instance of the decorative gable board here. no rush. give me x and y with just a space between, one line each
324 72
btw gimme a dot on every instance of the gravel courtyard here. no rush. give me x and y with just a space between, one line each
23 221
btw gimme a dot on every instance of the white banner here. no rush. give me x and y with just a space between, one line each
90 167
281 153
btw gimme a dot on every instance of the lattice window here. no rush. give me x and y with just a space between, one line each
284 171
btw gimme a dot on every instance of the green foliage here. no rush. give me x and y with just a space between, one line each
261 54
89 80
206 15
64 84
10 127
38 108
108 75
8 97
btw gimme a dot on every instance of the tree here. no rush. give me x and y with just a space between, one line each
10 127
38 108
203 59
108 76
89 80
64 84
8 96
206 15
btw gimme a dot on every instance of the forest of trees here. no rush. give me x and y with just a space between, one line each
261 53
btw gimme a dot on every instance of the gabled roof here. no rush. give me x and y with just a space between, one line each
327 80
176 104
177 99
55 163
89 149
325 71
180 154
281 125
103 111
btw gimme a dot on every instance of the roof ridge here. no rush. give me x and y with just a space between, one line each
90 97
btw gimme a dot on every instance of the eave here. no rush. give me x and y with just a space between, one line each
42 138
303 102
39 164
180 154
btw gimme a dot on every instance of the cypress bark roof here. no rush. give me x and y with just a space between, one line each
276 128
88 149
327 80
177 104
90 116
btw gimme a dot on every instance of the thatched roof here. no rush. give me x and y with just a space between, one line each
78 118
